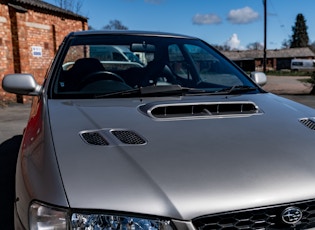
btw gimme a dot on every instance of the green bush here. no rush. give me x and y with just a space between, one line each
288 73
312 81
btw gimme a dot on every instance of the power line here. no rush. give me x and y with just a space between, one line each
282 25
265 35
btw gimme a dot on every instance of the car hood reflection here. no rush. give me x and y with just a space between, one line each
213 164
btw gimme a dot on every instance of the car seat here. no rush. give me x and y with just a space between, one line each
81 68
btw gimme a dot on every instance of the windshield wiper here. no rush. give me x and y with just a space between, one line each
236 88
170 90
160 90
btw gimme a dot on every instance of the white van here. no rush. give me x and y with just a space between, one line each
114 53
303 65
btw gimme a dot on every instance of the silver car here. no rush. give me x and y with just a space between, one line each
182 138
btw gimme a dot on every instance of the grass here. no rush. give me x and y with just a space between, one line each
289 73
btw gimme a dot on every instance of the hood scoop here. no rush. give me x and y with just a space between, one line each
201 110
94 138
128 137
111 137
308 122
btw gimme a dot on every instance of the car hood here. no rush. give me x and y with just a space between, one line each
118 154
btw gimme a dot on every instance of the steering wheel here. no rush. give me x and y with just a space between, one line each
98 76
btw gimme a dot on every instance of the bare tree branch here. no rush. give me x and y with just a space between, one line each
115 25
71 5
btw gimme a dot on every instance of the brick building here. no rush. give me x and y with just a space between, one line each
30 34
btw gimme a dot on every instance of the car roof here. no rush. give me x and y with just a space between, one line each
128 32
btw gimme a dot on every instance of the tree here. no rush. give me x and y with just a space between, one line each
312 79
299 36
286 44
255 46
115 25
222 47
312 46
71 5
91 28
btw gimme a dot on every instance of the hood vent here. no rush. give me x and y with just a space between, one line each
308 122
204 110
112 137
94 138
128 137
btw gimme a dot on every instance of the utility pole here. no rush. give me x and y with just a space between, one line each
265 36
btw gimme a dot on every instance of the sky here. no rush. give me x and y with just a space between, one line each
236 23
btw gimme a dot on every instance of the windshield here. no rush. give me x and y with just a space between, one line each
96 66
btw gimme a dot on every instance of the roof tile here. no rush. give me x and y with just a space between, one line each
47 6
281 53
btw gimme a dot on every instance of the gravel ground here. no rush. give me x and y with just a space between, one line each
287 85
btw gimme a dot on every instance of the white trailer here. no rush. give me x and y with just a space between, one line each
303 65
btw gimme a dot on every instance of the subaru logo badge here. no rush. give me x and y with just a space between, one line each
291 215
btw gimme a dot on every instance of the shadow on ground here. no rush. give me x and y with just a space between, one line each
8 156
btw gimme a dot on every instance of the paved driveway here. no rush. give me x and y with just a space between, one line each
291 87
13 119
287 85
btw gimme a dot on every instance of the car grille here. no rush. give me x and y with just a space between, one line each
264 218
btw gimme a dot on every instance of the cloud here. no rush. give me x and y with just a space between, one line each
234 42
206 19
242 16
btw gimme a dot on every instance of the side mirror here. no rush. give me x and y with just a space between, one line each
259 77
23 84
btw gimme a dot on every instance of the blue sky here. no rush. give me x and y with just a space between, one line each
236 23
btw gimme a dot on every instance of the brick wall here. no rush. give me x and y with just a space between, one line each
6 55
29 41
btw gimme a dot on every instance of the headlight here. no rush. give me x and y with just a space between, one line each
43 217
113 222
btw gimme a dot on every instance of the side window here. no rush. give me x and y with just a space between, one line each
297 63
74 53
205 63
178 63
209 68
118 57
